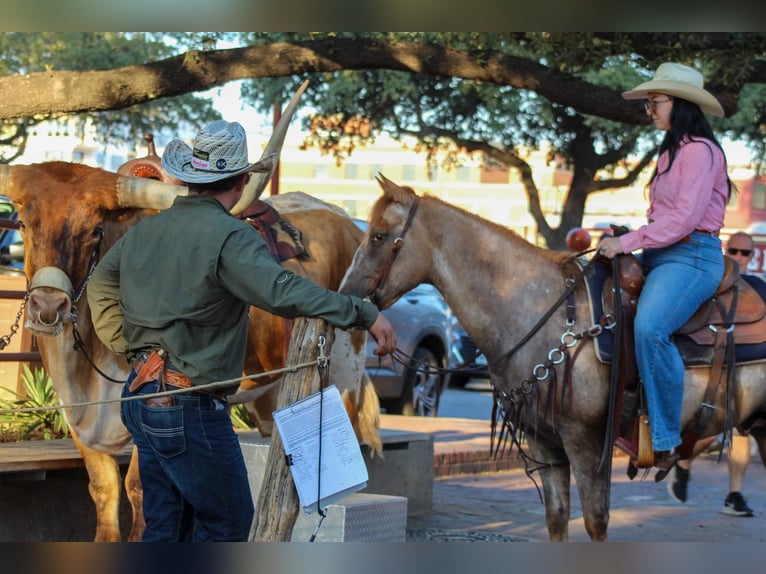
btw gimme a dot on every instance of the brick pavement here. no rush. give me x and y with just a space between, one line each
493 504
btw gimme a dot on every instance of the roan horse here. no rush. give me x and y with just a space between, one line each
72 214
500 286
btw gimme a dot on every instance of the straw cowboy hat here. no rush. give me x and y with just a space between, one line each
678 81
218 151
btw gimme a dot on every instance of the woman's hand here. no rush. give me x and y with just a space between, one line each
609 247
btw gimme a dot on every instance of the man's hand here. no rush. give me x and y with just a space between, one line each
383 333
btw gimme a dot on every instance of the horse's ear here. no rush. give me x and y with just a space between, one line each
393 191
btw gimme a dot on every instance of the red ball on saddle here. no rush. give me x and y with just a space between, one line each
578 239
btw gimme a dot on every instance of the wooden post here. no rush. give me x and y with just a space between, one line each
278 505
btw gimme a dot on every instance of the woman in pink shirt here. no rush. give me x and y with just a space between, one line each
682 257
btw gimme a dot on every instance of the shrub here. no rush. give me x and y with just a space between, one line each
38 392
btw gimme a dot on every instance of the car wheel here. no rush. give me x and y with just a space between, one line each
422 387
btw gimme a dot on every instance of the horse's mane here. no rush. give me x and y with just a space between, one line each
561 258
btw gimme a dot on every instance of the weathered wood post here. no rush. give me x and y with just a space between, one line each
278 505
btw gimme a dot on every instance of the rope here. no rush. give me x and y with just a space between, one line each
214 385
323 374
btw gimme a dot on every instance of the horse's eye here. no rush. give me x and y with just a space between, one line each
378 237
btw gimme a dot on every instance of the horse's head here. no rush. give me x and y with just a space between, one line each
394 255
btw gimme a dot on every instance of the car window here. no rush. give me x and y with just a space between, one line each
11 243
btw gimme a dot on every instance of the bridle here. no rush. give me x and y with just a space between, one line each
79 344
374 291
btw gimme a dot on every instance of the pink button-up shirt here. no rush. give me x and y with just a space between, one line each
692 195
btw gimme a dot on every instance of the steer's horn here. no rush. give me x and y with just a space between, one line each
147 193
270 156
5 178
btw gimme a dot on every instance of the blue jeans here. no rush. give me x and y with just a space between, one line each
679 278
192 470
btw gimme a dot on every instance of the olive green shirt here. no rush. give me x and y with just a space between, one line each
183 281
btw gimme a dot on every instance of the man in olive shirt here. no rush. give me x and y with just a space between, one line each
176 289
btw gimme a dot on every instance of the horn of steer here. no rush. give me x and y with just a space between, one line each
152 194
5 178
146 193
270 156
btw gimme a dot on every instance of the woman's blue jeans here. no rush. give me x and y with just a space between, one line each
192 471
679 278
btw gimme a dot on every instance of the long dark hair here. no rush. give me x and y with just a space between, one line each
687 121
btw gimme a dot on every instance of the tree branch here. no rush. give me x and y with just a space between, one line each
79 91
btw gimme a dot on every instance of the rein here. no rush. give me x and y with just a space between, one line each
79 344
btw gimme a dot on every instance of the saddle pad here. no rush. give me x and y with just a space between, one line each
694 355
597 273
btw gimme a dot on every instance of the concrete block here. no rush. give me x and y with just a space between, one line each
405 469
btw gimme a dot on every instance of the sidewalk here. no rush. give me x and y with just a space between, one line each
478 499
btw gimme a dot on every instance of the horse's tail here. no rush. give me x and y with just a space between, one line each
366 406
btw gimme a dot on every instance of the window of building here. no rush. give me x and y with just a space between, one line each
408 173
352 171
759 195
375 169
463 173
433 172
320 171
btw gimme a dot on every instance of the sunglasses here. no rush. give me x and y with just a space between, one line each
651 105
735 251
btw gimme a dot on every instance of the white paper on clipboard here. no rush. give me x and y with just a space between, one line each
342 470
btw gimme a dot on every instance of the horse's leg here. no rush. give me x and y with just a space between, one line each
758 432
136 497
556 483
104 487
592 484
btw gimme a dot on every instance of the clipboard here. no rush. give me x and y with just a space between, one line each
341 470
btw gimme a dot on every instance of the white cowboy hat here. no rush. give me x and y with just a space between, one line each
681 82
219 150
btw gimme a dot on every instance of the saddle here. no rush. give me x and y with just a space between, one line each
736 314
733 296
263 217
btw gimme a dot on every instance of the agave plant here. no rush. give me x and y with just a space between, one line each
240 417
38 392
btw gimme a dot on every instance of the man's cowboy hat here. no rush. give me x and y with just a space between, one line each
218 151
678 81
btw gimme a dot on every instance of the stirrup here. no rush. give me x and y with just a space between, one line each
640 448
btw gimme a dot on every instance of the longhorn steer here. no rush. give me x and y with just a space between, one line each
71 214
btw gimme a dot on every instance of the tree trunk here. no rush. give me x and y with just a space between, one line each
278 505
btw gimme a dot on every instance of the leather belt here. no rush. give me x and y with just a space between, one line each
150 367
703 232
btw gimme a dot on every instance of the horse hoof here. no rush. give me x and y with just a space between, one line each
632 471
